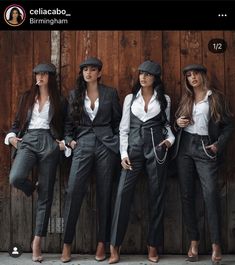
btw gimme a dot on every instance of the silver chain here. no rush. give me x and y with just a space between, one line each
159 161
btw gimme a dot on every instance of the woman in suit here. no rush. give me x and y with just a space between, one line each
36 134
145 137
204 127
91 130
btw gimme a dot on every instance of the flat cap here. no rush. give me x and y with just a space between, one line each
194 67
92 61
150 67
45 67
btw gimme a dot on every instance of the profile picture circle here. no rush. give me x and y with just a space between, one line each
14 15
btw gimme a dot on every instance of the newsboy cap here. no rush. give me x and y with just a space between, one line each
44 67
92 61
194 67
150 67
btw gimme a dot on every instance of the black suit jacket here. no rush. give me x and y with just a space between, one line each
106 123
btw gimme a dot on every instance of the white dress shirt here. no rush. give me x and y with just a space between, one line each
91 112
200 117
39 120
137 109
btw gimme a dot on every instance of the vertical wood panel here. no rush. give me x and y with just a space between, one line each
129 60
21 81
41 47
151 46
173 212
108 53
68 63
5 123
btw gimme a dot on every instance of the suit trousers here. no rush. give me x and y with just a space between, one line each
142 160
89 156
193 159
37 148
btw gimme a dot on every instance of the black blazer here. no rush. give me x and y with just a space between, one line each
56 133
106 123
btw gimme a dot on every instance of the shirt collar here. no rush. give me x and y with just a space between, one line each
139 93
88 99
36 99
86 96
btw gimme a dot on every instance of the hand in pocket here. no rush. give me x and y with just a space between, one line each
166 143
213 148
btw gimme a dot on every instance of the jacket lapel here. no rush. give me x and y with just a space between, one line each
29 115
101 99
51 113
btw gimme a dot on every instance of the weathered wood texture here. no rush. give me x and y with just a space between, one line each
121 53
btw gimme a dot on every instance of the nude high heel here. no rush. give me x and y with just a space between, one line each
66 253
193 252
152 254
115 254
36 258
216 255
100 252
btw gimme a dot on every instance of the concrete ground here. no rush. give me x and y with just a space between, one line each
53 259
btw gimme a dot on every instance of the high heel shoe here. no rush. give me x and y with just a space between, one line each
100 252
216 255
152 254
36 258
66 253
193 252
115 254
216 259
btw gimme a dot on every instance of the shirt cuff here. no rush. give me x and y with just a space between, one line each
124 154
67 151
8 136
171 140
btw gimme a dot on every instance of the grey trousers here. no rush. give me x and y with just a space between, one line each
142 159
37 148
90 155
192 160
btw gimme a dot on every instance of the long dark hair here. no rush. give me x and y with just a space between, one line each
80 91
77 104
19 19
158 86
219 108
28 102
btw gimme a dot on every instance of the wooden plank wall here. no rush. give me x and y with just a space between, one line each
121 53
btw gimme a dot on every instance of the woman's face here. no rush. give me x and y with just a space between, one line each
146 79
91 74
194 78
42 78
15 14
